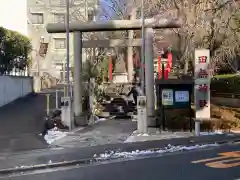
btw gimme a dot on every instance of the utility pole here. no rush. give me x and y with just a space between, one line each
67 79
142 73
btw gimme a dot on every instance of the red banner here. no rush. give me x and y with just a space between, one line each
167 68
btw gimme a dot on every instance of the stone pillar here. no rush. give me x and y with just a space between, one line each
149 76
78 88
130 49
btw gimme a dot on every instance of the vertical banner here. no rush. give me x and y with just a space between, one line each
202 84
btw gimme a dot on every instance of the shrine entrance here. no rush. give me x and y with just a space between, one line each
117 25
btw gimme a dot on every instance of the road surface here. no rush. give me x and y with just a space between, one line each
221 163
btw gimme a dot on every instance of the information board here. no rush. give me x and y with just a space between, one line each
167 97
181 96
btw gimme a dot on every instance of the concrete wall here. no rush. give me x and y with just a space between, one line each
13 87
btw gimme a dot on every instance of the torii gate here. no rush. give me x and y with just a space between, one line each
114 25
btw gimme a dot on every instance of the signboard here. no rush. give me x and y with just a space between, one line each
167 97
181 96
202 84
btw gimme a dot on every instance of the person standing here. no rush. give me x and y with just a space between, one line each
135 91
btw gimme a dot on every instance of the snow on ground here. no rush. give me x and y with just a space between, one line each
210 133
155 134
235 131
100 120
53 135
138 153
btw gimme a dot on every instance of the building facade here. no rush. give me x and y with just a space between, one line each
49 50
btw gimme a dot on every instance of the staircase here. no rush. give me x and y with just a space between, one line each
118 106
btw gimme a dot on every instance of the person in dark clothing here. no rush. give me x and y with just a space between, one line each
135 91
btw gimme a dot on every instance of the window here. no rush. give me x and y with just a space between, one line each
59 18
58 66
62 76
60 43
37 18
57 2
90 15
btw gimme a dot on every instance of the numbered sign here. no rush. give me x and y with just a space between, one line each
167 97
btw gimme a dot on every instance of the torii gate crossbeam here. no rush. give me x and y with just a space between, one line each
115 25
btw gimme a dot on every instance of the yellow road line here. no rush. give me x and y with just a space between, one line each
223 164
223 161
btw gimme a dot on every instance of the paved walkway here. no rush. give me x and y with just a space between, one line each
21 122
104 132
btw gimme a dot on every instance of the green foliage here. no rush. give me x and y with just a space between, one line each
103 67
14 51
226 84
89 71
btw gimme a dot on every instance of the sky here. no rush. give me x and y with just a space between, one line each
13 15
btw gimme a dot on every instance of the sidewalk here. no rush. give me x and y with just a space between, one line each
65 155
21 122
104 132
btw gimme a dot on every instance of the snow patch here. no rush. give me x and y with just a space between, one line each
210 133
157 135
235 131
100 120
138 153
145 134
53 135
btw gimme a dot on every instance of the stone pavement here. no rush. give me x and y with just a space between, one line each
104 132
21 122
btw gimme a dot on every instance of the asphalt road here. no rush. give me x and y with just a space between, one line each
169 167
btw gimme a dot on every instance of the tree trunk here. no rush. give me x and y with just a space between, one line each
186 66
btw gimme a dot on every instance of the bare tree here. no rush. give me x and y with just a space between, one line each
205 24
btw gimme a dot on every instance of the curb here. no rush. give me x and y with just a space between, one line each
8 171
45 166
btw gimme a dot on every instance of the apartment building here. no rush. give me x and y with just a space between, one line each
49 50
